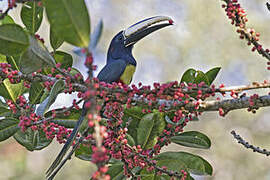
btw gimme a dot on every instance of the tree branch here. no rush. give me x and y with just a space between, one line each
233 104
238 16
249 146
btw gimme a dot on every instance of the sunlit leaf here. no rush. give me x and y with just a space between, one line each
7 20
8 90
11 91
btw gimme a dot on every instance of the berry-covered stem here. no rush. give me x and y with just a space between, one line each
238 18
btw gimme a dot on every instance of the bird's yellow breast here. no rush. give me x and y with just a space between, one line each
127 75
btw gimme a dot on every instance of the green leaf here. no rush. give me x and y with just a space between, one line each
146 175
201 77
116 171
36 57
177 161
84 152
13 39
45 105
11 91
133 116
144 130
95 36
45 95
64 58
8 127
32 15
32 140
152 175
212 74
36 92
130 140
66 121
159 125
55 41
150 127
7 20
189 76
192 139
75 71
69 20
4 110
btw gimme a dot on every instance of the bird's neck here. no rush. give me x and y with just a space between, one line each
126 55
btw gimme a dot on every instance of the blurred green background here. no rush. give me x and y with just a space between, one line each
202 38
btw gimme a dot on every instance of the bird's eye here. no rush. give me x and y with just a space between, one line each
120 38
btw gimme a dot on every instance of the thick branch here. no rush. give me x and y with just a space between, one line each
227 104
233 104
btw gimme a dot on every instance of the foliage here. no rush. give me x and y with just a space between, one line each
127 126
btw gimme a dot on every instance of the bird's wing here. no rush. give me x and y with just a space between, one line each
67 145
112 71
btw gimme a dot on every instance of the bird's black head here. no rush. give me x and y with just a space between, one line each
118 49
122 44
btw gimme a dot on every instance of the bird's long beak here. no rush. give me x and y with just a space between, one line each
141 29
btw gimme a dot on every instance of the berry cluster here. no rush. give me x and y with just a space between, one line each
238 17
7 72
252 100
179 103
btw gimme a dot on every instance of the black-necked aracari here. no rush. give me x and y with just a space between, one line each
121 64
120 67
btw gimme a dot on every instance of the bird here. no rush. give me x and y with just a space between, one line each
120 67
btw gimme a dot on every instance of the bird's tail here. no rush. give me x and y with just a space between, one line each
57 161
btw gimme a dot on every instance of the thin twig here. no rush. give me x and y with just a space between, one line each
249 146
